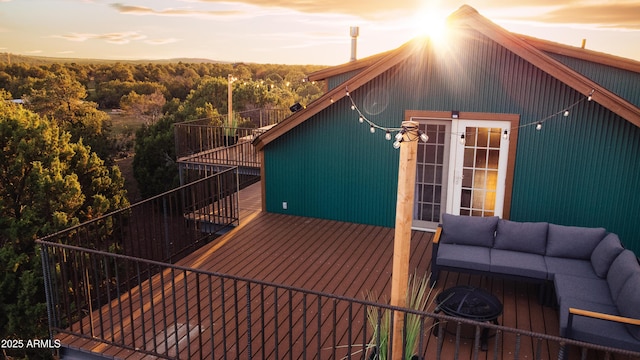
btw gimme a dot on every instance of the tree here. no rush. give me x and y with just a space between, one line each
212 91
62 99
154 164
47 183
147 108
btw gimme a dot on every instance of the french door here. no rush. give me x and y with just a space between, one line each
461 169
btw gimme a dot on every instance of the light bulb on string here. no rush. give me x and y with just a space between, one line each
539 126
387 135
372 129
566 113
424 137
396 144
361 119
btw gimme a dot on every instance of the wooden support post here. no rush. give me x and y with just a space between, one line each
402 237
230 80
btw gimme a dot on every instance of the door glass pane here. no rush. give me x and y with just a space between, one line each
430 169
479 171
494 138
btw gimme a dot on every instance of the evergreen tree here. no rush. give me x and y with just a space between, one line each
47 183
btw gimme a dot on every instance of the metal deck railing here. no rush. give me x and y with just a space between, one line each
170 311
205 135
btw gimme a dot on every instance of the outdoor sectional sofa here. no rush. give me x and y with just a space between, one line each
596 281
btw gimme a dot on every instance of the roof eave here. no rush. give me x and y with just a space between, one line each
552 67
582 54
382 64
347 67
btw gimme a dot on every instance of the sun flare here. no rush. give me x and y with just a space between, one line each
432 23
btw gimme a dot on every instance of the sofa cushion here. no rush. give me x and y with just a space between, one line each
573 241
605 252
595 290
468 230
518 263
629 303
601 332
521 236
575 267
621 269
464 256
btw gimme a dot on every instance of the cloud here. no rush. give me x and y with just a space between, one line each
606 15
112 38
161 41
368 9
142 10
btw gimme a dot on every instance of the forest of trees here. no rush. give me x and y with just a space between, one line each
57 166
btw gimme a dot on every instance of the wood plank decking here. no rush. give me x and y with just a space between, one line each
343 259
242 154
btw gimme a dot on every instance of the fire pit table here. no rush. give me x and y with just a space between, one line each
470 303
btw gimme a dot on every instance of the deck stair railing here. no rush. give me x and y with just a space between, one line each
165 227
205 135
170 311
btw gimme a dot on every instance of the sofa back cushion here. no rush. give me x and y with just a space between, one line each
468 230
605 252
624 265
573 242
628 302
521 236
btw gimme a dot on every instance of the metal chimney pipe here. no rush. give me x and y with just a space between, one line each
354 31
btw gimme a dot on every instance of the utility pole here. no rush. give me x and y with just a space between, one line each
230 80
402 236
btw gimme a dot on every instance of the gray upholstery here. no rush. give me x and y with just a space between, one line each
521 236
628 303
595 290
464 256
572 241
604 254
589 268
575 267
468 230
596 331
621 269
518 263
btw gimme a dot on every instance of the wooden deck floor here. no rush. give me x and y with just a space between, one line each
241 154
346 259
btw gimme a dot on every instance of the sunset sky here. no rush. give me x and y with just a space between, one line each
289 31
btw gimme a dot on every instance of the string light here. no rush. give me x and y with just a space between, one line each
399 137
373 126
565 113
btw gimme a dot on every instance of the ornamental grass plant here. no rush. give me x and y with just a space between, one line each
419 298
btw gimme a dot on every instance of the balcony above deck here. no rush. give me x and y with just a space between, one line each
206 146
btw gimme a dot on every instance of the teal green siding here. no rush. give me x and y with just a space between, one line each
335 175
580 170
623 83
339 79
